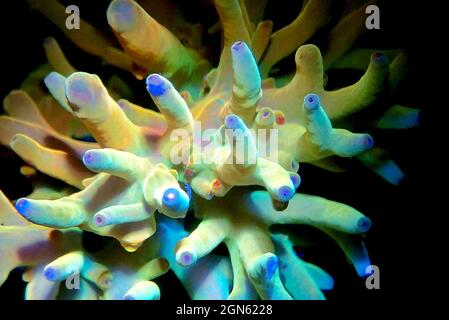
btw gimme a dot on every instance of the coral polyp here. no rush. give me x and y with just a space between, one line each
220 163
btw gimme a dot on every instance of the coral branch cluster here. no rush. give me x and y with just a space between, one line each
124 185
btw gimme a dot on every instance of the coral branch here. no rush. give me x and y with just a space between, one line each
56 57
344 34
87 37
55 163
361 94
246 90
161 51
286 40
91 103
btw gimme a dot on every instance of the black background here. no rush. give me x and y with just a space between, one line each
401 216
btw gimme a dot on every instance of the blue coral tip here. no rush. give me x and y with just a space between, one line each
231 121
285 193
50 273
122 15
79 89
124 10
364 224
311 101
272 266
172 199
155 85
296 180
89 158
369 141
238 45
22 206
52 78
100 219
186 258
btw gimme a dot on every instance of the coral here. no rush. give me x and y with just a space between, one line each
137 175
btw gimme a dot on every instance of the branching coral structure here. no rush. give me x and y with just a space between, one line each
136 175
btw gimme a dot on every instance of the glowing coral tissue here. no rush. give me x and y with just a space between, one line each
225 149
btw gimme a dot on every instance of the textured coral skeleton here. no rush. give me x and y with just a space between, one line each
124 185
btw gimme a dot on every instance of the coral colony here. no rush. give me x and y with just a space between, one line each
224 149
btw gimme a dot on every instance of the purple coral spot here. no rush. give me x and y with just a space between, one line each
156 85
100 219
124 10
285 193
272 266
52 79
50 273
237 46
231 121
121 104
80 90
265 114
364 224
89 158
22 206
121 15
186 258
311 101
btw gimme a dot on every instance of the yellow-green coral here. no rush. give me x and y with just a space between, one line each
131 189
